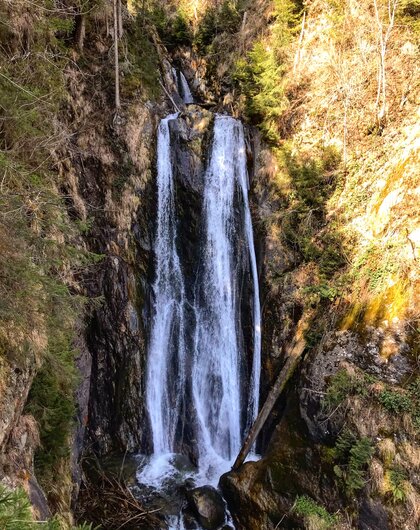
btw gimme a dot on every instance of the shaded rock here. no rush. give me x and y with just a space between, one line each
372 516
208 506
38 500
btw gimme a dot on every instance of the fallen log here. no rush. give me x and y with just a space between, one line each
292 360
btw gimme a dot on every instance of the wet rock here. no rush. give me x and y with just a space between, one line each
208 506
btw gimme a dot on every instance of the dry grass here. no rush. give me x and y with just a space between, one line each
387 451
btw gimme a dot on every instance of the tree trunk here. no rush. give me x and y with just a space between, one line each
120 21
117 66
79 36
286 372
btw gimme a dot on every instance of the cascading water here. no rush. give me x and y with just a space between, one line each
197 368
166 366
182 85
218 355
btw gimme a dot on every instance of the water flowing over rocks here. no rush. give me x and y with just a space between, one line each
202 321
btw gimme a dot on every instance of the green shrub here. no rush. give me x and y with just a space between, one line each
15 513
397 478
143 61
342 385
307 508
223 18
395 402
353 455
260 75
174 28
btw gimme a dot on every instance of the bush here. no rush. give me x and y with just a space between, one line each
342 385
15 513
353 456
394 401
225 18
308 509
397 483
260 75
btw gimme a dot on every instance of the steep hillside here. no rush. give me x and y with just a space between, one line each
73 269
333 88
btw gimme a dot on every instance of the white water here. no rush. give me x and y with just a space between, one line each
182 86
215 369
218 354
254 395
166 374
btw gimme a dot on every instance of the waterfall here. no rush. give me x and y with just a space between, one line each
182 86
185 90
254 394
166 357
222 399
218 355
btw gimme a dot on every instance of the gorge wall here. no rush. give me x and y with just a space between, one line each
333 197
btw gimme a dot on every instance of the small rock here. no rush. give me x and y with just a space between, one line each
208 506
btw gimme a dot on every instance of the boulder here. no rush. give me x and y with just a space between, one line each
208 506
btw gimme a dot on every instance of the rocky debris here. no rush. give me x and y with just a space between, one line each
208 505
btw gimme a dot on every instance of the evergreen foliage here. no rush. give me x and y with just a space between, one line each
218 19
353 456
341 386
174 27
15 513
310 510
261 74
397 482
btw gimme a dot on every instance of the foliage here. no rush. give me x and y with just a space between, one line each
344 384
307 508
15 513
217 19
143 69
51 401
397 484
394 402
174 29
353 456
260 76
38 253
341 385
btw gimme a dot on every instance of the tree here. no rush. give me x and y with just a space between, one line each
384 33
117 9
